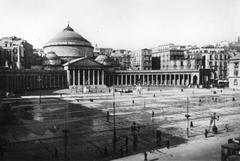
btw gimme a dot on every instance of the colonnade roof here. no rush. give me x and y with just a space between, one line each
156 71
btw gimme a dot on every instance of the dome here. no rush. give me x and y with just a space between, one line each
68 36
101 58
69 45
52 56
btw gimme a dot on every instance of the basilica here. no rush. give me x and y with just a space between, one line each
68 61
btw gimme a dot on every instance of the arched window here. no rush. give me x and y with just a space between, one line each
235 82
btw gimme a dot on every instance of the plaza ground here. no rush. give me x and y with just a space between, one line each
37 128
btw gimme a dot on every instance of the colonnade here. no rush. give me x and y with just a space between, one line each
152 79
78 77
21 81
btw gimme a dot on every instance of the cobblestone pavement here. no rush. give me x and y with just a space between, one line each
37 128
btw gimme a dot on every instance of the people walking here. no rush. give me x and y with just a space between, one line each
145 156
108 116
168 144
126 144
206 133
56 154
121 151
226 127
105 151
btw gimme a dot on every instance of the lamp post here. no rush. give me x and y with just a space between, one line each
40 87
65 131
187 117
114 123
134 130
214 117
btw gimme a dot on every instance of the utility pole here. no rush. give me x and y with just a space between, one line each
187 117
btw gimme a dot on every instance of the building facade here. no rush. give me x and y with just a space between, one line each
142 59
234 72
16 53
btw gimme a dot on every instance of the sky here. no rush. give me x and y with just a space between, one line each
123 24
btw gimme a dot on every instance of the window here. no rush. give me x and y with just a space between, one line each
235 73
235 82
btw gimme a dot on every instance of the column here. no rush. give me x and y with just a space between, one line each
143 79
93 76
121 79
126 79
113 79
98 77
68 77
117 79
74 77
165 82
134 79
152 80
88 77
79 82
148 79
102 77
130 80
62 80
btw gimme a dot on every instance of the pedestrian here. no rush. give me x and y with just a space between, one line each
211 120
109 90
121 151
133 101
154 95
107 116
191 124
152 113
168 143
136 140
206 133
126 141
160 136
56 154
105 151
145 156
226 126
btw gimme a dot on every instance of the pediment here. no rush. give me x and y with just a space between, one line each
83 62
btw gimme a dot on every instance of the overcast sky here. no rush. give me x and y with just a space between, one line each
123 24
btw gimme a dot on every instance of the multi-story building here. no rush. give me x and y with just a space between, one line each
215 59
142 59
234 71
122 57
102 51
16 53
173 57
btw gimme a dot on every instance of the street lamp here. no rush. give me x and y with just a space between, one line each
40 87
134 130
187 117
65 131
214 117
114 123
